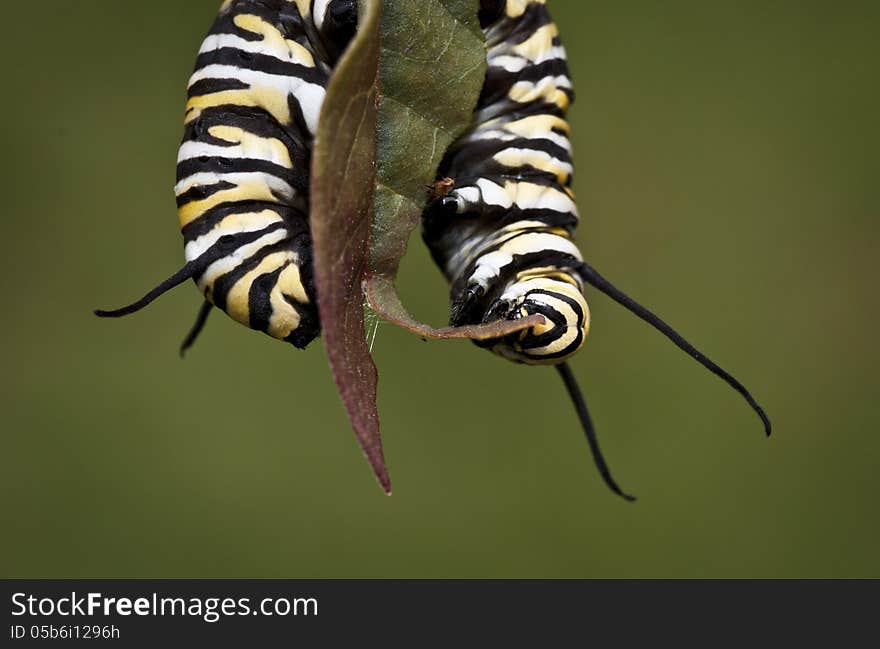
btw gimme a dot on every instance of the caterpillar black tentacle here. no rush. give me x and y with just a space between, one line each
243 166
198 326
592 277
502 230
580 405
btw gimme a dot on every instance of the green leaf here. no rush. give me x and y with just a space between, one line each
432 64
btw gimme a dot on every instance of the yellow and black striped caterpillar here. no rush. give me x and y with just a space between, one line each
501 220
243 166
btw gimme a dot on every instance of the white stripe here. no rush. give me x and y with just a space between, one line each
507 62
555 52
190 149
462 258
489 266
309 95
503 50
220 41
518 290
546 198
541 84
318 10
514 151
507 136
232 224
234 260
257 149
494 194
469 195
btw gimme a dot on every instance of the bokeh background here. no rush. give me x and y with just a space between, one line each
727 175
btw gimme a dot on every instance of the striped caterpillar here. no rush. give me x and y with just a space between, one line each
502 215
243 166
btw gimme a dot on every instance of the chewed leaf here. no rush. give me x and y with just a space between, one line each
379 289
343 164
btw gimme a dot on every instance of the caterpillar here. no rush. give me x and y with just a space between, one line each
252 109
500 219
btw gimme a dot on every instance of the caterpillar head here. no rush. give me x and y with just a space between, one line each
337 22
566 321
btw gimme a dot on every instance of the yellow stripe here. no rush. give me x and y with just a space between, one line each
274 38
538 43
272 100
304 7
524 92
254 146
537 125
523 193
290 283
246 221
516 8
255 190
548 272
537 159
285 319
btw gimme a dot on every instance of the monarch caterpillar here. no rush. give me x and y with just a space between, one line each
243 166
501 228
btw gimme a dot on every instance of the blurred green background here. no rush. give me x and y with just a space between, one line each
727 177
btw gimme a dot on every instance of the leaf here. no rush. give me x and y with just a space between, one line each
374 154
432 63
343 171
379 290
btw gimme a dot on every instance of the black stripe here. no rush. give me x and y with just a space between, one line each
309 324
201 192
254 120
223 284
469 152
213 85
293 219
542 340
296 178
268 10
229 243
235 57
490 12
260 309
507 108
260 298
493 170
522 28
500 80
